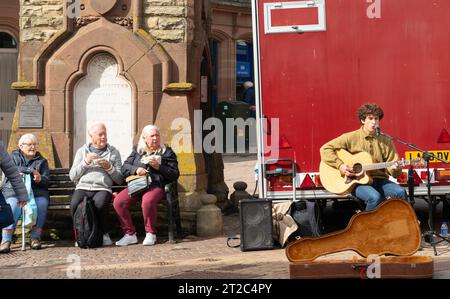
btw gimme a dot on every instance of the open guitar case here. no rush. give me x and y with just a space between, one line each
386 239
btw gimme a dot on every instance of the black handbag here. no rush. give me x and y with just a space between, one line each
138 184
6 215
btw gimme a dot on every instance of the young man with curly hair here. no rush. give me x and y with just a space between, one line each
380 148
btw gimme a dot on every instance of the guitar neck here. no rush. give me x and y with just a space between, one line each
382 165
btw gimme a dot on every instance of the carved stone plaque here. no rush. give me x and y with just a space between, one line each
31 113
104 96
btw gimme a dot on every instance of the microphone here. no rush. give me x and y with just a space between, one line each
377 131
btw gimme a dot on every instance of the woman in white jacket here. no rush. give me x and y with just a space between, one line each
95 169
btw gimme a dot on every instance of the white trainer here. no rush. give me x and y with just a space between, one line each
127 240
150 239
106 240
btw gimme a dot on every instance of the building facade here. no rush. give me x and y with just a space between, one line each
9 38
231 47
127 63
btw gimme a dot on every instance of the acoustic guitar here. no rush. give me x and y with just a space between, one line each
391 228
334 182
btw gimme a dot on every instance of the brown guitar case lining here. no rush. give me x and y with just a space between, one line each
392 228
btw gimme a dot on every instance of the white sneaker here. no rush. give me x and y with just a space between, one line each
150 239
106 240
127 240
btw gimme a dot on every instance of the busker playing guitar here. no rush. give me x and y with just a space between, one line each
380 148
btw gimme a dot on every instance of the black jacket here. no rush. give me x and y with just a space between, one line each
40 164
167 172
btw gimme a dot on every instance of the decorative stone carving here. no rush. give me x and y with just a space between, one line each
103 6
83 21
122 21
126 22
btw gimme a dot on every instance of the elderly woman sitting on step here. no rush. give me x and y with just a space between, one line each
29 162
158 161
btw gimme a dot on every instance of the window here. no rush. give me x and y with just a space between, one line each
244 62
296 16
7 41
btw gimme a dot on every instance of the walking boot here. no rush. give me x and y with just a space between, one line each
35 244
5 247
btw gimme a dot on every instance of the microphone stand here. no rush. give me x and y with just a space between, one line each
430 234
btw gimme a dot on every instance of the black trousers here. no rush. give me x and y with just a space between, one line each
102 200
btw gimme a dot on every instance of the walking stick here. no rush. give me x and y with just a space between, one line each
23 229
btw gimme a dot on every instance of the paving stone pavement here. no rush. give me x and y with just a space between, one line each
191 257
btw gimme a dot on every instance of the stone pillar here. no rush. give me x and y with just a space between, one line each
232 205
216 180
178 25
209 218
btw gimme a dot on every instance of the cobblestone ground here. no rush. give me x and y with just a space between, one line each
191 257
183 261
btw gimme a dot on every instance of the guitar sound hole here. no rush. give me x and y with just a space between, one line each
357 168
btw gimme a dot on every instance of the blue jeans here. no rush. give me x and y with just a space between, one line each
42 204
373 194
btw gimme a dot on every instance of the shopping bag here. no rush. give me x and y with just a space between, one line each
138 184
30 209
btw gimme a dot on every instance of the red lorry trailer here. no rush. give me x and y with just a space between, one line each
317 61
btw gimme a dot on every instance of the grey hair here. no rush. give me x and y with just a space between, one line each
94 126
28 136
142 146
248 84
